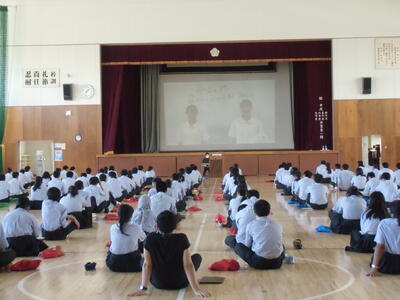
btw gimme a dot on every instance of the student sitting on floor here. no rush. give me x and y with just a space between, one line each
161 201
281 174
97 196
153 189
56 223
89 173
188 181
321 169
168 263
346 214
115 187
335 175
136 181
23 180
75 204
295 186
234 204
370 186
359 180
150 174
344 179
56 182
124 254
127 184
396 175
21 230
252 197
176 187
231 186
287 181
63 173
386 169
387 187
67 182
8 174
143 215
7 255
304 184
4 189
386 257
327 174
29 175
38 194
84 180
318 192
87 211
196 176
226 177
16 189
263 245
363 240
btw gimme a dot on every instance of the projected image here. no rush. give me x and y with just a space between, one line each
228 111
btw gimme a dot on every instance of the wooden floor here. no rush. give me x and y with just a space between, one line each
323 269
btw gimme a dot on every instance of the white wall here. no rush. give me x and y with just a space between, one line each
354 59
45 22
79 65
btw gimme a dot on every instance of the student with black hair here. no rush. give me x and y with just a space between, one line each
38 194
115 187
295 186
136 179
21 230
149 175
263 245
335 175
344 178
387 187
4 190
143 216
127 184
188 181
89 173
16 188
287 182
97 196
303 185
231 184
161 201
67 182
8 174
29 175
252 197
318 194
168 263
124 254
142 175
176 188
72 169
396 175
196 176
371 185
75 204
84 180
46 178
23 180
63 173
363 240
321 169
56 223
87 211
56 182
235 202
359 180
386 169
7 255
386 258
346 214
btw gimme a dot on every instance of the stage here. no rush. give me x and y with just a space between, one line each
253 163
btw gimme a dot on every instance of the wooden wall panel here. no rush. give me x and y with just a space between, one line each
356 118
163 165
184 161
248 163
118 162
311 161
268 164
33 123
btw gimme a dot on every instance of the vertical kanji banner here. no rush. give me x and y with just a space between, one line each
3 76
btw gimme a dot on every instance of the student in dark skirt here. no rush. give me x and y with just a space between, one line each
346 214
124 254
75 205
168 263
56 223
386 257
38 194
21 230
7 255
363 240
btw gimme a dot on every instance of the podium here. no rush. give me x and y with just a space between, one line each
216 167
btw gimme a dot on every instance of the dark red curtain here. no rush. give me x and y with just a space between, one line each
121 109
312 95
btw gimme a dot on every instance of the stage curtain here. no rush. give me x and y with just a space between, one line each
3 76
312 95
121 109
149 76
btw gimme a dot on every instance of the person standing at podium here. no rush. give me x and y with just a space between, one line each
206 164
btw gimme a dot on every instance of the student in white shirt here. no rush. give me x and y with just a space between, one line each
302 188
346 214
387 187
196 176
280 175
263 245
363 240
72 169
16 189
176 188
143 215
335 175
84 180
63 173
287 181
4 189
359 180
150 175
23 179
142 175
344 178
75 204
38 194
321 168
87 211
161 201
21 230
136 179
235 203
56 182
397 175
386 257
371 184
295 186
89 173
127 184
226 177
327 174
385 169
7 255
56 223
29 175
115 187
67 182
124 254
188 180
8 174
46 178
318 192
97 196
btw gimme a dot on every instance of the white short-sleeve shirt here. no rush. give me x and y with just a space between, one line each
388 234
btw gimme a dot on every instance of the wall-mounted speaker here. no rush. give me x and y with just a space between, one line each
67 91
366 85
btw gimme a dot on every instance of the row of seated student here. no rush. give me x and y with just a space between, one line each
369 211
63 214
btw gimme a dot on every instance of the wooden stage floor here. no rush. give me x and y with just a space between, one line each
323 269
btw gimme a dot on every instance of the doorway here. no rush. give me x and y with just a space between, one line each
371 149
39 155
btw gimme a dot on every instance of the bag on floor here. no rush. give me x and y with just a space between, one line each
225 265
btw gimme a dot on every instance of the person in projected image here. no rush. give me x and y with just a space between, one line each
246 129
191 131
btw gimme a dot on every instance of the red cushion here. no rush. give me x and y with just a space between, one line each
220 219
198 198
131 200
52 252
108 244
233 230
219 192
193 208
111 217
26 265
225 265
219 199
